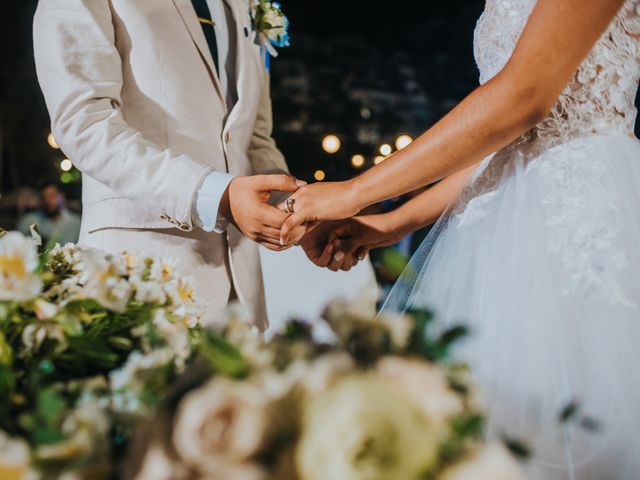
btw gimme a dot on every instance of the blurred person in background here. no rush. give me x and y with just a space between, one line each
55 222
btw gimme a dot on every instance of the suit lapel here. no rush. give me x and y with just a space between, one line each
244 60
190 20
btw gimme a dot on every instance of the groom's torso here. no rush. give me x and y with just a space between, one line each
174 95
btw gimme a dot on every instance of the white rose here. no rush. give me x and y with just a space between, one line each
425 384
237 472
362 308
343 315
492 462
18 263
362 429
221 426
15 459
324 372
399 326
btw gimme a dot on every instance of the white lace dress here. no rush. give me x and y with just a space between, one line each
541 257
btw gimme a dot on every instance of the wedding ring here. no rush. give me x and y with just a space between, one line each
288 205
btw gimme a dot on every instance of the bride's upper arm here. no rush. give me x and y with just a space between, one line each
558 36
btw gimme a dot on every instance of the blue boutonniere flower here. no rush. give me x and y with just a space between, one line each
270 25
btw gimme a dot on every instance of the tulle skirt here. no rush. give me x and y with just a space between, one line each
541 259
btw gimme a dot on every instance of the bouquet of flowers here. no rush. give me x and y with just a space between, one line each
88 344
106 373
379 400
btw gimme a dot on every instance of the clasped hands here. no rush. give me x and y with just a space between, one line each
323 221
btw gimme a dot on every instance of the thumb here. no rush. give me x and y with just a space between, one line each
278 183
293 221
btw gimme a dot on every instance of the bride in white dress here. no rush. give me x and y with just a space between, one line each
538 245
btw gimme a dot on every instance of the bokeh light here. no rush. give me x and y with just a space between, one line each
331 144
403 141
319 175
66 165
52 141
385 149
378 160
357 161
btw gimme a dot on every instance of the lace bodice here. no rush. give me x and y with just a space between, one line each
600 96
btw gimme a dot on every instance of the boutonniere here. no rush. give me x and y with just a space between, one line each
270 25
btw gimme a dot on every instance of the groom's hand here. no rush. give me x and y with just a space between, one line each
328 246
245 204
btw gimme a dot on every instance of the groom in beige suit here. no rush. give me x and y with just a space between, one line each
164 106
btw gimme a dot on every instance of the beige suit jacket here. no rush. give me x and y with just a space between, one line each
136 105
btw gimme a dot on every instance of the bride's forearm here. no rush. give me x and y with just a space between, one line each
557 37
426 208
484 122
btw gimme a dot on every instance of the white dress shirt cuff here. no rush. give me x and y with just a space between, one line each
207 206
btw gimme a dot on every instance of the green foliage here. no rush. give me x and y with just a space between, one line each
60 347
393 262
223 357
422 343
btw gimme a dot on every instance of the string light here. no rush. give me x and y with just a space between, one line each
378 160
331 144
66 165
403 141
357 161
319 175
385 149
52 141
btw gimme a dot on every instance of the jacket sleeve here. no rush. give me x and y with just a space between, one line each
263 152
80 73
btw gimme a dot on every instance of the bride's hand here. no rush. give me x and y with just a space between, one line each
320 202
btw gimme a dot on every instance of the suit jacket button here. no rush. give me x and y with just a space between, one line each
164 217
174 222
184 227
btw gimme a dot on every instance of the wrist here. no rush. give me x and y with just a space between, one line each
358 194
224 209
383 228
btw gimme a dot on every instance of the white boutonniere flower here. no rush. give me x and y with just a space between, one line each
270 25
